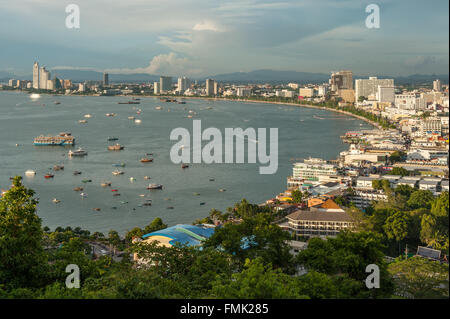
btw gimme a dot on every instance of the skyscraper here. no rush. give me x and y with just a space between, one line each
437 86
156 88
183 84
44 76
366 87
165 83
342 80
36 75
209 87
105 79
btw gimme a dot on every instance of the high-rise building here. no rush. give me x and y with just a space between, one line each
209 87
156 88
437 85
165 84
44 76
51 84
216 88
183 84
342 80
12 82
105 79
368 87
409 101
385 94
36 75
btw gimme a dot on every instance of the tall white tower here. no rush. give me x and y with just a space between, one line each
36 75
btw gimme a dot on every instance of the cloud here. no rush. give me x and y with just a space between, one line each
169 64
206 26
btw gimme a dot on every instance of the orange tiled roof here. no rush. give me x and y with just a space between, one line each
330 204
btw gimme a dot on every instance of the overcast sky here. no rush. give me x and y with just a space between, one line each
208 37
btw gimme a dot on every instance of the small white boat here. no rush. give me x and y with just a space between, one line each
30 172
131 117
55 200
158 108
110 114
117 172
132 179
83 195
137 121
82 121
87 115
78 152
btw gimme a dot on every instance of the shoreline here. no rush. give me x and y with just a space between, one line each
362 118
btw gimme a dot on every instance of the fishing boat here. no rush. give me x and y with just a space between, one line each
211 179
58 167
82 121
49 175
184 165
119 165
147 204
117 172
132 179
116 147
170 207
56 102
30 172
87 180
114 190
113 138
78 152
96 209
137 121
87 115
83 195
202 203
154 186
106 184
55 200
158 107
146 160
76 172
131 117
222 190
116 194
110 114
146 177
58 140
78 189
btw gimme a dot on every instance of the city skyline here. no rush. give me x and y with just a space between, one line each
203 39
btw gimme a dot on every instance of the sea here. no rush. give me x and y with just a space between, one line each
187 194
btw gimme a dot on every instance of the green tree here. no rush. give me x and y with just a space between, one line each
22 258
396 226
257 281
135 232
297 196
421 199
155 225
399 171
420 278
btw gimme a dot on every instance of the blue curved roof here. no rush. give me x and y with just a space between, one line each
190 235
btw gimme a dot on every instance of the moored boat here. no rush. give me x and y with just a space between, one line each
49 175
116 147
117 172
154 186
42 140
146 160
78 152
30 172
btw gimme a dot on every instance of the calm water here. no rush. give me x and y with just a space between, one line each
302 133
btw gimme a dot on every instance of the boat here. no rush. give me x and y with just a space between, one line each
87 180
154 186
211 179
129 102
137 121
202 203
87 115
112 138
106 184
196 194
146 160
116 194
96 209
58 140
78 152
58 167
49 175
78 189
76 172
30 172
116 147
170 207
110 114
181 102
55 200
117 172
158 108
132 179
83 195
119 165
184 165
146 177
82 121
222 190
136 99
131 117
56 102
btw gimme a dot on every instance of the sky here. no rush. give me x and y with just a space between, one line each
206 37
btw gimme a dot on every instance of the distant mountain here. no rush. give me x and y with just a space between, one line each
272 76
80 76
5 76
